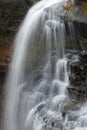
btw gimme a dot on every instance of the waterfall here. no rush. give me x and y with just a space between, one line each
39 74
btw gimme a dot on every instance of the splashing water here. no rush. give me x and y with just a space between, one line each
36 86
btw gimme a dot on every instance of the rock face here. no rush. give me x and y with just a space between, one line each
11 15
4 61
77 91
28 2
78 78
31 2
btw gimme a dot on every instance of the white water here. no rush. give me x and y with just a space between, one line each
36 86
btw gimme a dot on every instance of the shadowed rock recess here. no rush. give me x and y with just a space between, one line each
78 78
77 90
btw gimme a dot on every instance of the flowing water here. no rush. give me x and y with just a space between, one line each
39 74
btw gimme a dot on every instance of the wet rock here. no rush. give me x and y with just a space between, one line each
40 106
77 93
69 104
78 78
52 24
83 57
37 75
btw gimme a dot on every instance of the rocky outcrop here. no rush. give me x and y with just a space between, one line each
78 78
77 91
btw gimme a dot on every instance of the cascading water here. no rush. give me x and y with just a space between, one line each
36 86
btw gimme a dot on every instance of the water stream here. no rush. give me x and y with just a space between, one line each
39 74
